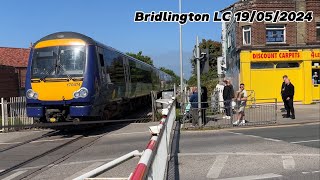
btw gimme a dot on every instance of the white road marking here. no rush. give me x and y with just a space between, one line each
66 164
85 170
254 136
236 133
62 139
249 135
217 166
310 172
262 176
270 139
288 162
12 176
297 142
246 154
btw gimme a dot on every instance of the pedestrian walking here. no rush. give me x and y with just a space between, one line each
289 95
194 107
282 91
241 99
228 94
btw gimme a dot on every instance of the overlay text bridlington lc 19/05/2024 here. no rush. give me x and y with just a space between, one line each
226 16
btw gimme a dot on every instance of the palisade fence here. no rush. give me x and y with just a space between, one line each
13 113
214 113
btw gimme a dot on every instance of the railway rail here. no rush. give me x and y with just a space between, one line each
64 150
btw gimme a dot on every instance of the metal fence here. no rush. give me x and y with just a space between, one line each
215 114
13 112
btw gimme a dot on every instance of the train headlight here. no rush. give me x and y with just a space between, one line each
76 94
31 94
83 92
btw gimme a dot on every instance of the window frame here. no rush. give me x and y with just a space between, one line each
243 35
280 27
268 68
276 65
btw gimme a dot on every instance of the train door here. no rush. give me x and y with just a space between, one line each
127 76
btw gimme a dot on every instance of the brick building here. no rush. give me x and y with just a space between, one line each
13 66
260 53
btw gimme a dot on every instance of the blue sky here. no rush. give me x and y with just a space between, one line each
112 23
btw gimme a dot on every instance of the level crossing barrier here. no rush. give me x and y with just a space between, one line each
154 159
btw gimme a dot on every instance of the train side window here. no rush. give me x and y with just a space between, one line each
101 60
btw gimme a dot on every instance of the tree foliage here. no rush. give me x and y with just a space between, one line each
209 79
141 57
176 78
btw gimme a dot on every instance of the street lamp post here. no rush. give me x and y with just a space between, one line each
181 63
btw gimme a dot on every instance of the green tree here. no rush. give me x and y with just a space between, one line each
141 57
176 79
209 79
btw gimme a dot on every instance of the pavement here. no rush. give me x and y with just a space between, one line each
288 152
114 143
304 114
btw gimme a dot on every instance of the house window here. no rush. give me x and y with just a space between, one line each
246 35
275 34
318 31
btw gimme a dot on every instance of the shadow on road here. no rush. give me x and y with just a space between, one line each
173 164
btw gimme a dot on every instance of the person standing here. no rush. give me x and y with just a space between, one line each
289 95
228 94
194 106
282 91
315 78
242 102
204 103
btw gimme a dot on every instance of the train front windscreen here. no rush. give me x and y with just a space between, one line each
58 62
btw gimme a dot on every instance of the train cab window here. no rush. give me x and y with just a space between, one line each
288 65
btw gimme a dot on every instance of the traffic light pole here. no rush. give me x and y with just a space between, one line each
199 84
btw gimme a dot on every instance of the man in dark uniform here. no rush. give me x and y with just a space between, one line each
228 94
194 106
288 95
282 90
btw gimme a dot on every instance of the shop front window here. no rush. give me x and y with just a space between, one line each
315 76
262 65
288 65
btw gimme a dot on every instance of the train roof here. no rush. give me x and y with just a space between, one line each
87 40
67 35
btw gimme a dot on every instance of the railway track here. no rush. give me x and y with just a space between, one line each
65 151
78 142
29 141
